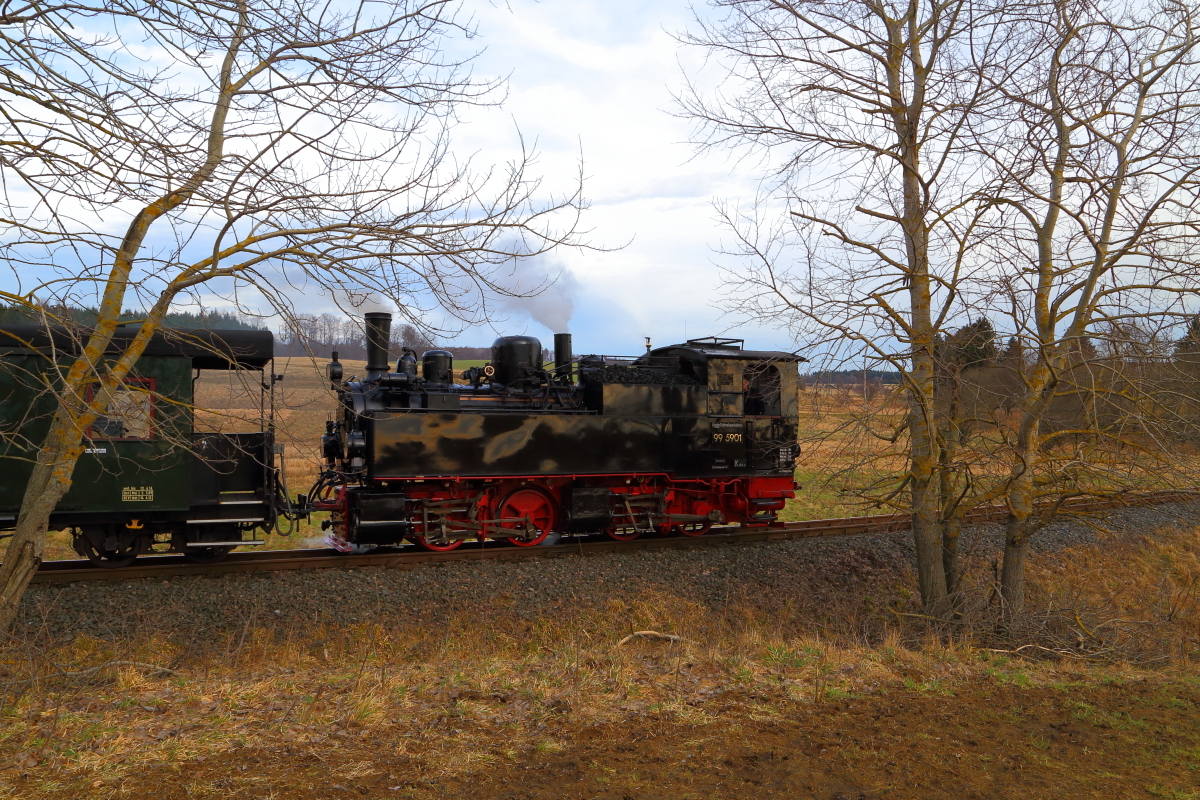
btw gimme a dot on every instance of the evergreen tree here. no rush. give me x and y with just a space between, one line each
975 344
1013 354
1189 343
180 320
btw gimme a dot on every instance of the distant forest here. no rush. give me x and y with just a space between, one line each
318 335
322 335
844 377
183 320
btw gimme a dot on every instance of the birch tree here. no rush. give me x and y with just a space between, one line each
158 152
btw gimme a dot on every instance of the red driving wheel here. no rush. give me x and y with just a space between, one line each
538 511
698 528
692 528
435 545
622 533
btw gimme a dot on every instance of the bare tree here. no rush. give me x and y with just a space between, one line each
859 110
1094 236
242 146
932 163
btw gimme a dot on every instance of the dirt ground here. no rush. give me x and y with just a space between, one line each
1135 738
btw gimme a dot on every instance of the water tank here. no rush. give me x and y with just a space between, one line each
515 358
437 366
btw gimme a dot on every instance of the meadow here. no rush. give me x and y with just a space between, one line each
838 688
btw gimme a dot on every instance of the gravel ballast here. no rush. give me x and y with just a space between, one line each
807 573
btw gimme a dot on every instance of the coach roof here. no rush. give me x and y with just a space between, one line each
208 349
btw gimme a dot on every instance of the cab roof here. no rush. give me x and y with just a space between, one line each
716 347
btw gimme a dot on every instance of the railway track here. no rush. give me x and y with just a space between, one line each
279 560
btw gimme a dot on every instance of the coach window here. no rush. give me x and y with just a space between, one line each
130 411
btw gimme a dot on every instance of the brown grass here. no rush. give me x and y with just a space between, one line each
491 689
1135 600
444 693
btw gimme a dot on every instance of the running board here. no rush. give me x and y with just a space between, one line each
226 544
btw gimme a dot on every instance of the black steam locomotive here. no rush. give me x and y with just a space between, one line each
675 440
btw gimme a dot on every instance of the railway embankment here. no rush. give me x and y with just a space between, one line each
825 578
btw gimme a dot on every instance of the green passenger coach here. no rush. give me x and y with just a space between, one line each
147 480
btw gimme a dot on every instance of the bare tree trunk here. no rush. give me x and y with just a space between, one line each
951 568
1012 572
1020 493
950 434
926 523
49 481
926 509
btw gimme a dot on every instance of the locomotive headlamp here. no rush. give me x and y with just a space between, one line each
333 370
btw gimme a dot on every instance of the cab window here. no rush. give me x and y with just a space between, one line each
762 391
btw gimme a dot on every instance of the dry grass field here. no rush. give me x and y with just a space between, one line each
850 694
744 702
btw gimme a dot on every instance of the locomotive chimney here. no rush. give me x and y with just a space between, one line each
562 357
379 332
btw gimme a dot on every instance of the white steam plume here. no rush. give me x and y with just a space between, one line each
555 287
364 304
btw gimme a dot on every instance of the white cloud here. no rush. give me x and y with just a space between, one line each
595 78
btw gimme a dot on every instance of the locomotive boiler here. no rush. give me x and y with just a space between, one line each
674 440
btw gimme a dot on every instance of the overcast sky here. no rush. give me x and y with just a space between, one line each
595 79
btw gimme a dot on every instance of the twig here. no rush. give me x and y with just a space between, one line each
662 637
152 668
1083 628
1064 653
916 616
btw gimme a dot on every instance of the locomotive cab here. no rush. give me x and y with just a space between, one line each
752 406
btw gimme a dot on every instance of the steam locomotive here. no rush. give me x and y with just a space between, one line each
672 441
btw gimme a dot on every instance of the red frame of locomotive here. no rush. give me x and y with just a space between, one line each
522 510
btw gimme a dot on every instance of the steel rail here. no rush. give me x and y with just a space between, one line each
167 566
